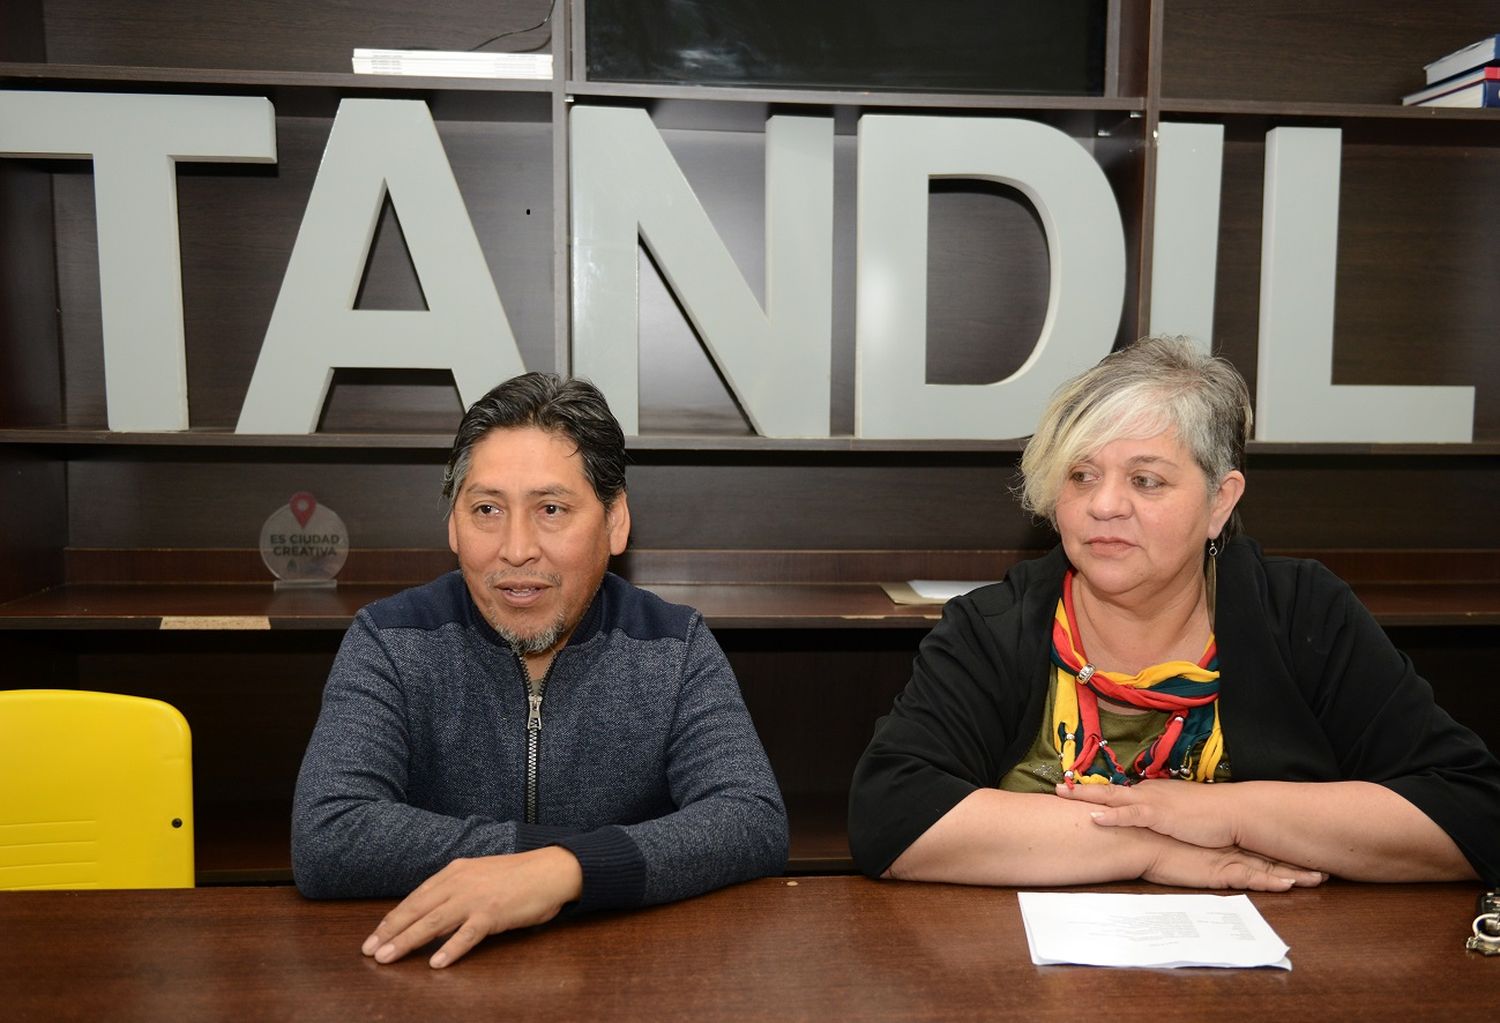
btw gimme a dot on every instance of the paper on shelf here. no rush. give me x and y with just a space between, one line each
945 589
1159 931
930 591
452 64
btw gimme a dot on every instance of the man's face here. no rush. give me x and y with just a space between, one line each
531 537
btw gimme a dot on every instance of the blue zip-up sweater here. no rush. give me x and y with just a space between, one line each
649 769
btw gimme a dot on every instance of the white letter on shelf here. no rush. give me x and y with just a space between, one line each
1185 243
1295 397
897 156
626 188
375 147
135 142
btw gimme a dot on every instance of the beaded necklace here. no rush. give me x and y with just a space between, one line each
1190 746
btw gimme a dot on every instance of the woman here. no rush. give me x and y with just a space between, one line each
1076 723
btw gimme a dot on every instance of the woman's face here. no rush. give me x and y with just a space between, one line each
1135 516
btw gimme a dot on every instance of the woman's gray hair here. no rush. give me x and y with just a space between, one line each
1145 389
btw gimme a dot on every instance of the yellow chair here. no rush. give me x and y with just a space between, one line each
96 791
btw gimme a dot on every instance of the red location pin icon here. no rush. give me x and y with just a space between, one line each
303 505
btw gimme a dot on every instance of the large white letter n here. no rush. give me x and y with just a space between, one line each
379 146
628 188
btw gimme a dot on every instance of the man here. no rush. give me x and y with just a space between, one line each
530 732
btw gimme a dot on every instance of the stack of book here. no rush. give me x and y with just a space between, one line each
445 64
1465 78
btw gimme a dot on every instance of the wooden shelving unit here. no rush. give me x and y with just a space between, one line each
106 536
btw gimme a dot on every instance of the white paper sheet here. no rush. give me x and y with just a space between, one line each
944 589
1100 929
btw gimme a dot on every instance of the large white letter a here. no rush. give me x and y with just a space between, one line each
378 146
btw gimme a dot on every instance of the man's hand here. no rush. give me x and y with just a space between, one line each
472 899
1197 814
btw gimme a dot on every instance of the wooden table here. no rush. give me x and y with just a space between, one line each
817 948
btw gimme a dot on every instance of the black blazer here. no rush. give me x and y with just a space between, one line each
1310 689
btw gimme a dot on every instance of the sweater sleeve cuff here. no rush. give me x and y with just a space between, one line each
539 836
614 871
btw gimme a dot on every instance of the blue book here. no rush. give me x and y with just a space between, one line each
1480 94
1459 61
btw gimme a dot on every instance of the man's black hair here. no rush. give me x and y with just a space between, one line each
572 408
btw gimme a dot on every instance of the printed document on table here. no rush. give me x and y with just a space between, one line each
1101 929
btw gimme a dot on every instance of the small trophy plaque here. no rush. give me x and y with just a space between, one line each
304 543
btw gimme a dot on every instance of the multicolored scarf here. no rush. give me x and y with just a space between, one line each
1190 746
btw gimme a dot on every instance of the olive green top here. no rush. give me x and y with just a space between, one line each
1041 769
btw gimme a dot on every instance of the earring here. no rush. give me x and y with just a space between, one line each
1213 548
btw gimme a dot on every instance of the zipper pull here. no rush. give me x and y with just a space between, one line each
534 718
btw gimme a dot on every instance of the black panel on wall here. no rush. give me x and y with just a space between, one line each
1030 46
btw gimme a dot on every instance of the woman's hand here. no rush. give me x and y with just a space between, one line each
1190 812
1357 830
1190 866
1205 850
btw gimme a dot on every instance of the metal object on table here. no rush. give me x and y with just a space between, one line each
1486 936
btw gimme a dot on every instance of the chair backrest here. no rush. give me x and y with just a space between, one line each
96 791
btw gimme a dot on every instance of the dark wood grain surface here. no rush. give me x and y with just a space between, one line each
225 606
810 948
278 34
1346 51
